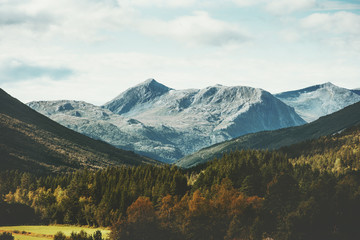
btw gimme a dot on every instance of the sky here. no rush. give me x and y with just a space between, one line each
92 50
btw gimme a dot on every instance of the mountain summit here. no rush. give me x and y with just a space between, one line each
319 100
140 94
219 111
166 124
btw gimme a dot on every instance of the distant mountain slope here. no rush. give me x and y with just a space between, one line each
32 142
167 124
333 123
100 123
357 91
320 100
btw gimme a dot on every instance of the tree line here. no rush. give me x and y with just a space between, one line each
246 194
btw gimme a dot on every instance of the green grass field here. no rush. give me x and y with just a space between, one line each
26 237
45 232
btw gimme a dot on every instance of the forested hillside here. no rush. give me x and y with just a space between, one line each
87 197
248 194
335 153
32 142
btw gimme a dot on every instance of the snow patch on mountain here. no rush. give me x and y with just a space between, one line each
320 100
102 124
167 124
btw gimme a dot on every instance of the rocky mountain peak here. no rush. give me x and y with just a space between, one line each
150 81
145 91
167 124
327 84
142 93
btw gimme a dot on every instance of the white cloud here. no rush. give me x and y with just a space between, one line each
247 3
339 22
81 19
10 18
197 29
281 7
290 35
108 44
278 7
337 5
340 30
100 77
87 20
17 71
14 16
157 3
284 7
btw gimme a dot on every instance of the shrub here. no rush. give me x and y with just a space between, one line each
59 236
6 236
78 236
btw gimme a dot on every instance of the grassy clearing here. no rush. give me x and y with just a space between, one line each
46 232
27 237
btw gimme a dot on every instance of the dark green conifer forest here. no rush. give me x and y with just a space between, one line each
306 191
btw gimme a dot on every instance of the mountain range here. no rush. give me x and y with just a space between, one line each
327 125
32 142
319 100
166 124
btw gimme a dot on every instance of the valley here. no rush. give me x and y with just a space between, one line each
166 124
296 182
305 188
179 120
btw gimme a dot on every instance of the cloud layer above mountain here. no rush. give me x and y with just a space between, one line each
105 46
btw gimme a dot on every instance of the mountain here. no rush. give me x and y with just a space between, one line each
137 97
102 124
320 100
327 125
226 111
32 142
167 124
357 91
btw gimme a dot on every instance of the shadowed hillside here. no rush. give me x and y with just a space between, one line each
32 142
330 124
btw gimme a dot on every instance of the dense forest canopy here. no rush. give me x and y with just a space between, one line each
307 191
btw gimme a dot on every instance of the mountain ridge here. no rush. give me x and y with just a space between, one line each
326 125
166 124
141 93
318 100
33 142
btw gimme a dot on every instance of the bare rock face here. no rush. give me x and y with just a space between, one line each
137 96
320 100
167 124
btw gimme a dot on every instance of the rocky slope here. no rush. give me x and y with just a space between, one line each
357 91
167 124
327 125
320 100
